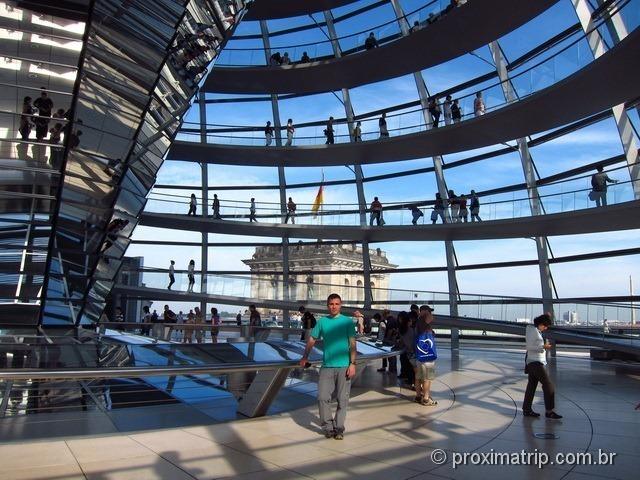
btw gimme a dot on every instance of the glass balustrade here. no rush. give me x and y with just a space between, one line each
512 205
267 287
238 56
540 72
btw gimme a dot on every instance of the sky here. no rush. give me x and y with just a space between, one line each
598 141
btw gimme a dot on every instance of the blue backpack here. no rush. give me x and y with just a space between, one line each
426 347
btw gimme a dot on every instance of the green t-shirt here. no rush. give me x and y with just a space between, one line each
335 333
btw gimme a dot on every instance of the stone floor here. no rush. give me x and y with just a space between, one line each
479 393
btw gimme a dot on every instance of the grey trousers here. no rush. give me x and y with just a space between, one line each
333 380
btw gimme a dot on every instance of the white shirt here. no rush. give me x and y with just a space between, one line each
447 109
172 270
535 346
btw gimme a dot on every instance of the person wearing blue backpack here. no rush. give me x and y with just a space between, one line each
425 357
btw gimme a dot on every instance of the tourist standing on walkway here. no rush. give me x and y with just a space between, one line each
179 333
44 105
382 124
438 210
193 203
26 118
478 105
146 320
454 203
168 316
390 337
376 212
357 132
285 59
446 107
599 184
463 214
535 367
456 113
190 274
239 319
416 213
268 134
371 42
407 343
290 131
291 212
475 207
254 317
434 109
172 274
215 325
338 364
425 357
188 328
328 132
199 323
252 211
216 207
305 58
308 321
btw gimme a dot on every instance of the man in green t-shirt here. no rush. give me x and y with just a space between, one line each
338 364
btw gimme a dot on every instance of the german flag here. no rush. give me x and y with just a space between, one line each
317 203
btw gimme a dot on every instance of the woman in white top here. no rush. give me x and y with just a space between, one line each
192 279
290 131
535 363
446 108
478 105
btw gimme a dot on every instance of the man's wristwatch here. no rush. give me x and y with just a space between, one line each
352 363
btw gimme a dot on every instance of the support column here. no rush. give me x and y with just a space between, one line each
510 95
618 31
282 182
204 253
450 252
357 169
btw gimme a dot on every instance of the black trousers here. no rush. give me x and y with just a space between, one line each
406 369
391 361
538 373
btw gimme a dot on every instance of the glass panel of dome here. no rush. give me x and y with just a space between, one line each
490 173
237 175
601 242
607 276
546 25
295 175
179 173
247 28
454 72
587 145
385 94
242 52
376 169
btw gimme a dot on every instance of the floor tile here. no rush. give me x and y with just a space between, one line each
36 454
150 467
105 449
